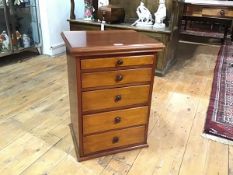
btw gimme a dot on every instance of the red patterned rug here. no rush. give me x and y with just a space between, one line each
219 121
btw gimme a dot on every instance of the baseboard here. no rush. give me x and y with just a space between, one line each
58 49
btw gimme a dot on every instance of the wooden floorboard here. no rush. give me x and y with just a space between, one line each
34 117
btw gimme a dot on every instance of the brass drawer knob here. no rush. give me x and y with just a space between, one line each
119 78
117 120
115 140
119 62
222 12
117 98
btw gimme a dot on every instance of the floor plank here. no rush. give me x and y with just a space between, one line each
34 117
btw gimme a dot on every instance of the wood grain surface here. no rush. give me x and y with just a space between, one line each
114 120
106 99
119 77
113 62
105 140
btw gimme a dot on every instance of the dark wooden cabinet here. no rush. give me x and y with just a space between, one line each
168 36
206 20
110 77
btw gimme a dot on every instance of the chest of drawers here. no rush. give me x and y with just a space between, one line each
110 76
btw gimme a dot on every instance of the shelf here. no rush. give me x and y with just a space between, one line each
29 6
21 49
122 26
203 34
2 54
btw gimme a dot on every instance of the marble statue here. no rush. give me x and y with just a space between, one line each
103 3
144 17
160 15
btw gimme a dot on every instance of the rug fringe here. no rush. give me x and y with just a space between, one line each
217 139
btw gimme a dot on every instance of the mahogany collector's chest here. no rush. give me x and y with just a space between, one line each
110 77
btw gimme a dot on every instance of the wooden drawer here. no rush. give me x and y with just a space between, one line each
114 120
107 78
117 62
217 12
112 98
113 139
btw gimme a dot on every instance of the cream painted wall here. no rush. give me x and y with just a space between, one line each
53 17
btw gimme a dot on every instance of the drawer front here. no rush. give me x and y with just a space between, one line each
193 10
114 120
118 97
113 139
218 12
117 62
119 77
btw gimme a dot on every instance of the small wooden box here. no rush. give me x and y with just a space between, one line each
111 14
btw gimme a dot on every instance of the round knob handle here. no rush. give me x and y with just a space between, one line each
115 140
117 120
231 64
117 98
119 62
222 12
119 78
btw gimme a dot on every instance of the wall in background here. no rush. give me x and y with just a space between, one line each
53 17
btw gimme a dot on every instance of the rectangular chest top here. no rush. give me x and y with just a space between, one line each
109 41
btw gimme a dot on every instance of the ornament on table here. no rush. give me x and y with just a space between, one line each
144 16
2 4
88 11
26 40
16 38
18 2
103 3
5 41
160 15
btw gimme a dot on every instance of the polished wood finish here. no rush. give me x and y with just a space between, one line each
94 43
114 98
110 77
113 139
111 14
117 62
114 120
218 12
119 77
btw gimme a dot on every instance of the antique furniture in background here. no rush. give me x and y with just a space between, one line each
211 19
168 36
111 76
111 14
19 27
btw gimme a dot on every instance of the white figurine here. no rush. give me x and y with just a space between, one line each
6 41
18 2
103 3
160 15
144 16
